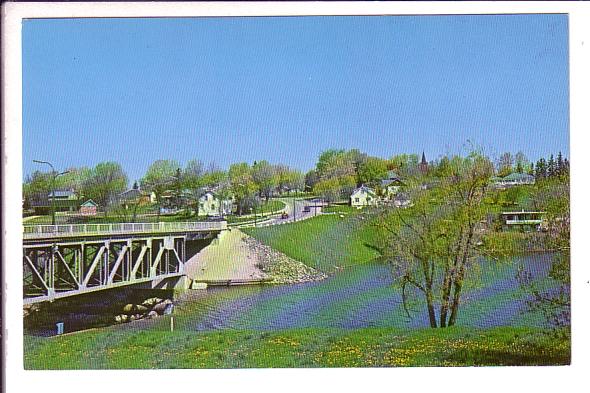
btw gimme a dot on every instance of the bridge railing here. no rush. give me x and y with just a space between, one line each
45 231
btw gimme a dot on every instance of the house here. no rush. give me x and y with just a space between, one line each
135 195
61 200
363 196
211 205
523 220
390 186
89 208
513 179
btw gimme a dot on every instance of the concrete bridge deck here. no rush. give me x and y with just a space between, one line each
37 232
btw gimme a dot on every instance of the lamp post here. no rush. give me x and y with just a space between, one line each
54 176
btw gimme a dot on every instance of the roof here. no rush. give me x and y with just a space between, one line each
61 193
89 203
523 212
364 189
518 176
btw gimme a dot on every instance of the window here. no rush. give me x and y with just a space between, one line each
213 207
356 200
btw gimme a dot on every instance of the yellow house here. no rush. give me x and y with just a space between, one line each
363 196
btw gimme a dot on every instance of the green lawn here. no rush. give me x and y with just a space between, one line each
323 242
272 206
340 209
369 347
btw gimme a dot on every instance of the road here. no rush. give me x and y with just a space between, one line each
295 208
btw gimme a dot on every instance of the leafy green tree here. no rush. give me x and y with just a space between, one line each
105 182
406 164
372 170
432 245
193 179
328 189
242 185
160 177
553 197
264 176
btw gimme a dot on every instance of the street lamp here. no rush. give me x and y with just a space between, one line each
54 176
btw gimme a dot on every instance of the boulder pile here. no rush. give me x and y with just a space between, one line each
281 268
149 308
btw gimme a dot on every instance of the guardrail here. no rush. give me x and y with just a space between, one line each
49 231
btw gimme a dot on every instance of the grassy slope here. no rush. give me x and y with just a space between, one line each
296 348
323 242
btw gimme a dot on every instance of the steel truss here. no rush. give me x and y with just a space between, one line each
64 268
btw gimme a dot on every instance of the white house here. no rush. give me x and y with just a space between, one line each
363 196
211 205
513 179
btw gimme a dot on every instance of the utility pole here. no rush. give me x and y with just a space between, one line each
54 176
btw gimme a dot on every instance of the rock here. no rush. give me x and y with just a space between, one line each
129 308
152 314
121 318
160 307
151 302
141 309
132 318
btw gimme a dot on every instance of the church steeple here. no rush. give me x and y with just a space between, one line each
423 164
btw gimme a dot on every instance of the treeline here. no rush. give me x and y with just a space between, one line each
338 172
542 169
246 183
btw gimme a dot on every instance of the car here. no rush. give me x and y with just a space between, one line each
306 209
284 216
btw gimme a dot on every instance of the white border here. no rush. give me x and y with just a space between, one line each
533 379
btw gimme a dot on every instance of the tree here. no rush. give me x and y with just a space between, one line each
159 178
263 175
553 197
329 189
193 179
405 164
311 179
551 168
560 165
432 245
242 186
504 165
541 169
372 170
105 182
522 162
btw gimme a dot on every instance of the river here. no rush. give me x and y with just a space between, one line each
356 297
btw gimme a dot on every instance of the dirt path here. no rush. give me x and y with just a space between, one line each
227 257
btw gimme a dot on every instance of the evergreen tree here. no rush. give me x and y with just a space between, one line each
551 167
541 170
560 168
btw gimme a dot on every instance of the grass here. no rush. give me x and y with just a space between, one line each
369 347
340 209
323 242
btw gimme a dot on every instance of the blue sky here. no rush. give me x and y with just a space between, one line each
284 89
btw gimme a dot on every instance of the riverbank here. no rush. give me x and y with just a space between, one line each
369 347
237 256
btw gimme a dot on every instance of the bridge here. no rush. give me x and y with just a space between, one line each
67 260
